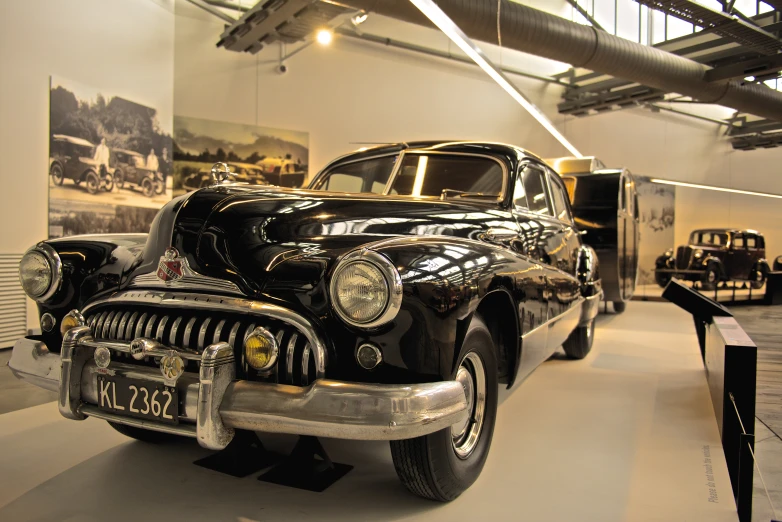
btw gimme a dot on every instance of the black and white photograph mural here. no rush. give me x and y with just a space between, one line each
257 155
657 213
104 151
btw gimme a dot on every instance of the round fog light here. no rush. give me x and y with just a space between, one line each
47 322
368 356
71 320
260 349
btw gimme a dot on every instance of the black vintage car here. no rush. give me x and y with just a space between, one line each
72 158
130 167
714 255
605 207
387 302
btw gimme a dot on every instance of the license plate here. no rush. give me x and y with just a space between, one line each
135 398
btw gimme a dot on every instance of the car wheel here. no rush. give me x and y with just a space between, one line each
579 343
710 278
160 187
108 183
92 181
758 277
119 179
619 306
57 175
662 280
154 437
148 188
441 465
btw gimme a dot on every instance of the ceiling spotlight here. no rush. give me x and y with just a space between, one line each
359 18
324 36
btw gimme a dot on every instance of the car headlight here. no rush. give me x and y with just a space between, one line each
698 254
366 289
40 272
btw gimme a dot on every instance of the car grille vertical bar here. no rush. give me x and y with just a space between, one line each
305 365
218 331
129 329
202 334
150 326
289 357
188 333
107 324
161 328
140 326
232 337
113 326
174 328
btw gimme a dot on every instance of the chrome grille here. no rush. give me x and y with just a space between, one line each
193 331
683 255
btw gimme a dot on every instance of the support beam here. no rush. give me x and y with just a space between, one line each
583 12
755 67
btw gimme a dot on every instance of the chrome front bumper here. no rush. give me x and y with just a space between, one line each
213 404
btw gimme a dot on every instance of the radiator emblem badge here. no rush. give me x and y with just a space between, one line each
172 366
170 266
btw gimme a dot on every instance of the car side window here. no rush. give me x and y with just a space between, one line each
751 242
738 242
534 183
559 199
761 243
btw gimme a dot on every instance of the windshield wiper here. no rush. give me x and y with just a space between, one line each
465 194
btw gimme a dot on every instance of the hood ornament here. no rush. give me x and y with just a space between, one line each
221 173
170 267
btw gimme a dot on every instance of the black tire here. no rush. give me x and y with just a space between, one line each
92 182
149 436
579 343
662 280
119 179
757 278
620 306
147 187
429 466
160 186
710 278
57 174
108 182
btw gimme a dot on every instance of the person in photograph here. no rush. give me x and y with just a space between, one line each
165 168
102 155
152 161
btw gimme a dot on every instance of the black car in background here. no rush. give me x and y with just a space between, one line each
389 301
605 208
714 255
72 158
130 168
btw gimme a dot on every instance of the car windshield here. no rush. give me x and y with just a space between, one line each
419 175
706 238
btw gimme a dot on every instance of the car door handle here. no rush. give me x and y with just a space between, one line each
500 234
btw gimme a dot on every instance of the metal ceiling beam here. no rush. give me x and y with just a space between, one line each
610 100
583 12
756 67
722 23
758 141
753 127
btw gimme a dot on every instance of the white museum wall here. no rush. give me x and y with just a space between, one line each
123 48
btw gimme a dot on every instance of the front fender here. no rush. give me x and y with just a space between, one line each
92 266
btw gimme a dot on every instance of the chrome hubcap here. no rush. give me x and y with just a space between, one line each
712 276
472 377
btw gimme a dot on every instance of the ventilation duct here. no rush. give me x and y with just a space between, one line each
536 32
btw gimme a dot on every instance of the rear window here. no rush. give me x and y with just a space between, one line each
594 191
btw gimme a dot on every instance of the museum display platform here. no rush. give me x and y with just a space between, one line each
627 434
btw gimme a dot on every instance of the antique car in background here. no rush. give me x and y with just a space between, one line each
282 172
605 208
130 167
72 158
240 173
714 255
386 302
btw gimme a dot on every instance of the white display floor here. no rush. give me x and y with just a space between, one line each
628 434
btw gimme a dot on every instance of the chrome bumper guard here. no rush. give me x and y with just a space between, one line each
589 308
213 403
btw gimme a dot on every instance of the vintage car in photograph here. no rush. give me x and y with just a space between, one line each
130 169
240 173
605 208
72 158
386 302
282 172
714 255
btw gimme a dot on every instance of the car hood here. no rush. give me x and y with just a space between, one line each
244 233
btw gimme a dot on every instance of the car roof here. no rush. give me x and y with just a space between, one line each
445 146
727 231
131 152
73 139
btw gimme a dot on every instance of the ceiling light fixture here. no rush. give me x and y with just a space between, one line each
359 18
324 36
452 31
717 189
